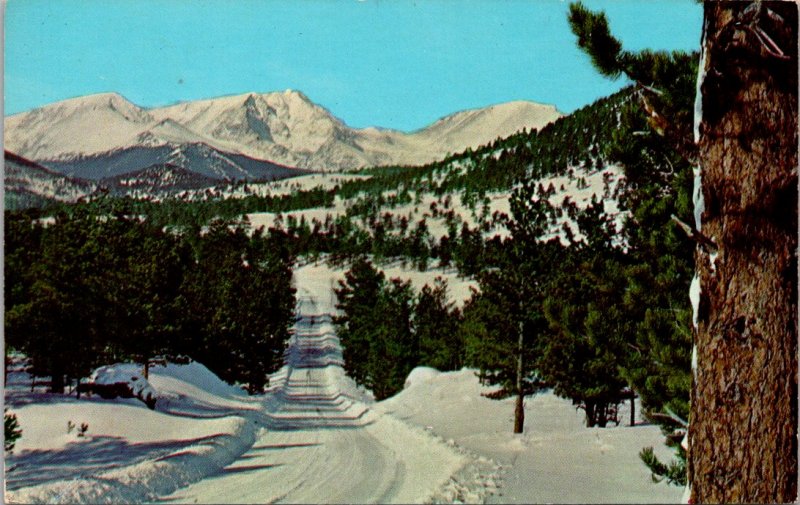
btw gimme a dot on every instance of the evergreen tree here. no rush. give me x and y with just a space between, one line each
146 289
585 350
657 186
503 323
356 297
394 349
744 423
379 345
58 324
747 85
12 432
244 302
436 324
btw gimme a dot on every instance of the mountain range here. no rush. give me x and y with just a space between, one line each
249 136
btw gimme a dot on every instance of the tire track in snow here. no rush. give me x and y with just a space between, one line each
321 442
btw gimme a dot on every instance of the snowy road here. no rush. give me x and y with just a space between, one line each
322 443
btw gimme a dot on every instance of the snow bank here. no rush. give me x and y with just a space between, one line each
128 453
420 374
194 374
149 479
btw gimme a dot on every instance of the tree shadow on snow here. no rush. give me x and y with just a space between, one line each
85 458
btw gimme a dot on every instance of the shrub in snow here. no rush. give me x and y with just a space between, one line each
12 431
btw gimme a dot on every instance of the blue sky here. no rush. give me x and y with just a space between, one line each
397 64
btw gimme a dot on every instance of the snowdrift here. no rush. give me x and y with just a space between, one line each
128 453
147 480
420 374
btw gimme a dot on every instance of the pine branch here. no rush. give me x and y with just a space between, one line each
668 417
595 38
697 236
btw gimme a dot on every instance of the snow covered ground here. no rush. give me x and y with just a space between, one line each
317 437
324 443
556 460
312 438
128 453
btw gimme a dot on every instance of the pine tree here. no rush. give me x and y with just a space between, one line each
744 425
238 304
150 266
585 348
743 422
657 186
356 297
379 344
503 324
436 328
58 323
394 349
12 432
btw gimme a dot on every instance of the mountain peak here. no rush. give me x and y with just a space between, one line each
108 96
296 94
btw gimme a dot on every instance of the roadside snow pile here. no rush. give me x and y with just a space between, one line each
556 460
148 479
126 453
197 375
420 374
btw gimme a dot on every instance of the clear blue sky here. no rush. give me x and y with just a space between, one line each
397 64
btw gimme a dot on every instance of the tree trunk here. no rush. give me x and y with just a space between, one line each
633 408
519 414
57 381
591 413
601 413
743 430
519 411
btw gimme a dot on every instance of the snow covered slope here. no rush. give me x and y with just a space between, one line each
28 184
85 125
284 127
156 180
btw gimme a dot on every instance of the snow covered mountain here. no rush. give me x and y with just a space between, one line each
157 180
284 127
29 184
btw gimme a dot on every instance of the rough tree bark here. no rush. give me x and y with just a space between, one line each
743 431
